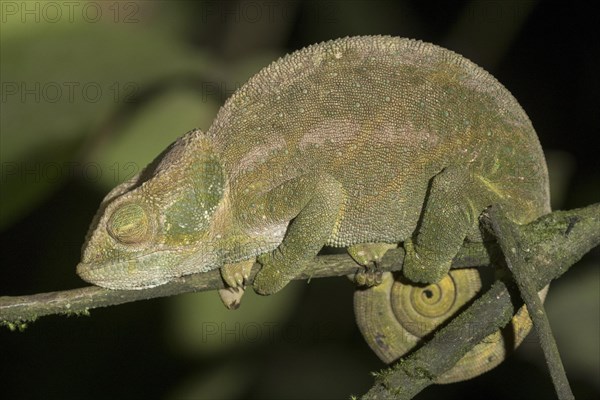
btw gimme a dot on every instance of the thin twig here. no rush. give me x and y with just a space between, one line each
523 272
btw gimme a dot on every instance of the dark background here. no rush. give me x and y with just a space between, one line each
164 68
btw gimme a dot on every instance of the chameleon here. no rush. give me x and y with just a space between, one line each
366 142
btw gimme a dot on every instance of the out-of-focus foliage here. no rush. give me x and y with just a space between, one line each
63 79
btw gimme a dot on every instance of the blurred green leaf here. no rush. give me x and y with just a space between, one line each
573 304
60 82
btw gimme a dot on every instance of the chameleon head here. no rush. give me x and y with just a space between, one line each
157 226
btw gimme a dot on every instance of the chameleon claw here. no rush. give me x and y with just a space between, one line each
237 274
235 277
239 279
360 278
370 276
378 277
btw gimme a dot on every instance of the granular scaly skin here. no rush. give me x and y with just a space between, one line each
359 140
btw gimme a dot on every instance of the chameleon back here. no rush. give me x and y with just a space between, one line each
382 115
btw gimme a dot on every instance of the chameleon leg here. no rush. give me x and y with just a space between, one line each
368 255
306 235
451 210
235 276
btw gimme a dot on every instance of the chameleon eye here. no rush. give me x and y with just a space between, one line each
129 224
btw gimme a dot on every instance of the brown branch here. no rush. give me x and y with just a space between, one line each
17 310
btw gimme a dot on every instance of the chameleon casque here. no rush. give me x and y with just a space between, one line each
361 142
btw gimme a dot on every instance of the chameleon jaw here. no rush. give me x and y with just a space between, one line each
98 276
143 272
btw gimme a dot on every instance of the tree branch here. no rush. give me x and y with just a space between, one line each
15 311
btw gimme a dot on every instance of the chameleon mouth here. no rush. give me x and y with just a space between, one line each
121 276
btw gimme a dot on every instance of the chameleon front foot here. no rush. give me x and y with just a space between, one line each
231 297
235 276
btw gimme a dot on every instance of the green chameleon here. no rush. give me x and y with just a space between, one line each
361 142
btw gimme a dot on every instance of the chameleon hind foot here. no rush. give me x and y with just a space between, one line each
235 276
368 255
422 267
275 273
369 277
